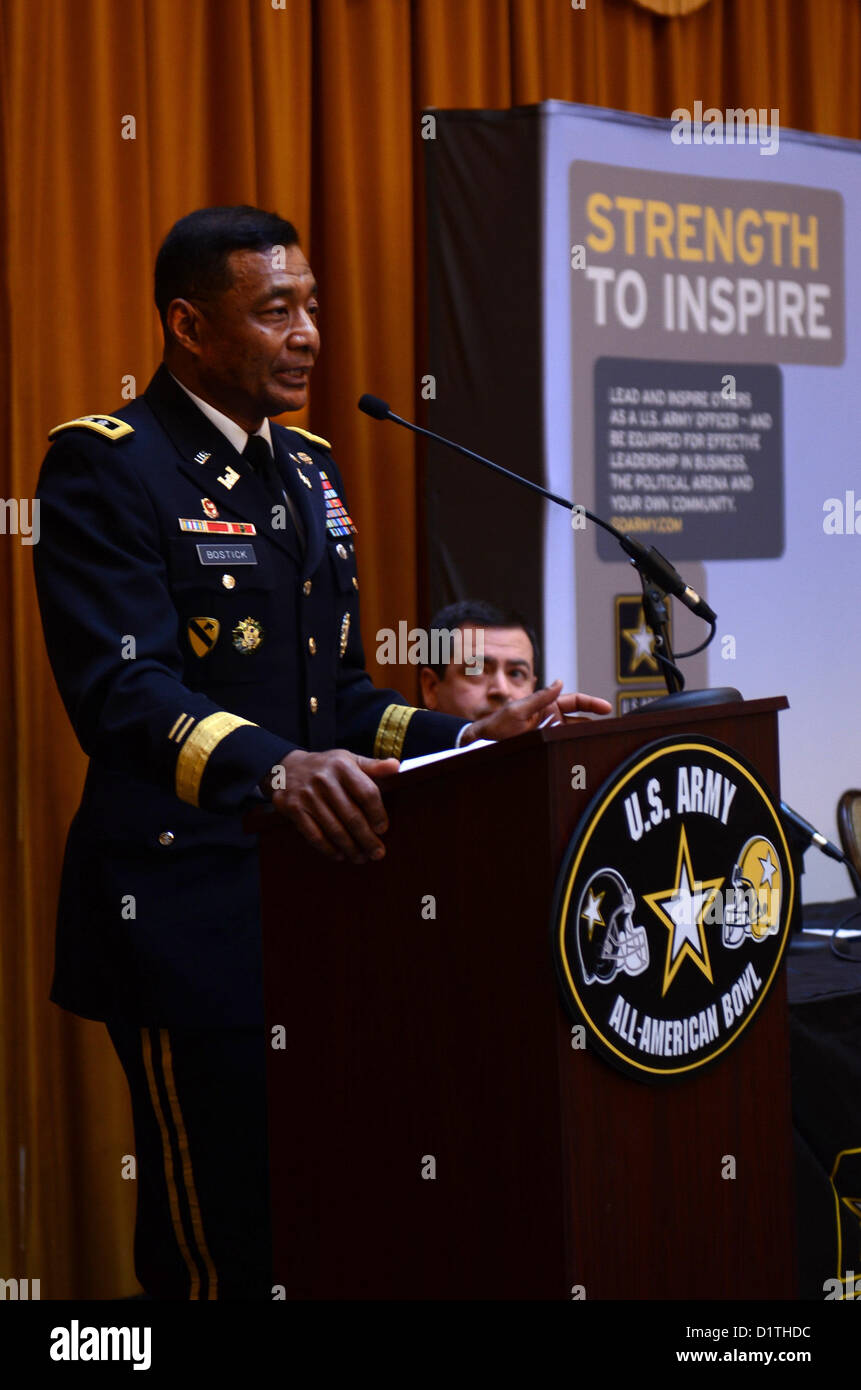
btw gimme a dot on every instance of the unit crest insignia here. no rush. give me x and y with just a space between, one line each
202 634
247 635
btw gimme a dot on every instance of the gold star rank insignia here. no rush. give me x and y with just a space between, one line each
202 634
682 909
247 635
109 426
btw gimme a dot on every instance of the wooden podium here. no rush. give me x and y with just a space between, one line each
425 1034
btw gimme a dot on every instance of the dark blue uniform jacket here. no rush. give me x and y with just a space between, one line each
190 662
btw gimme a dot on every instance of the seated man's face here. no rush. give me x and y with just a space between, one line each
507 674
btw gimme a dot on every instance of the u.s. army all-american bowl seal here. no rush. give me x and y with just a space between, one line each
672 908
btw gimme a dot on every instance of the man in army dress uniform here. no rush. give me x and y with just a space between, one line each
199 595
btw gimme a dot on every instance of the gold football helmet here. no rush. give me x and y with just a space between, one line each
753 905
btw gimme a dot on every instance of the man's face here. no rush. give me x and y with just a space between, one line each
508 674
256 342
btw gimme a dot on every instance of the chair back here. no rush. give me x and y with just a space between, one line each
849 826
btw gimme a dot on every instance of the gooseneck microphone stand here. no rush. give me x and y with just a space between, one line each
658 577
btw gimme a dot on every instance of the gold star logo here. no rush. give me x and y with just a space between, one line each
642 639
682 909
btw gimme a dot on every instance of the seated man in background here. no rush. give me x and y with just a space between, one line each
496 662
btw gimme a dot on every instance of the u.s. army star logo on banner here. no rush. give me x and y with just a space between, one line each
672 908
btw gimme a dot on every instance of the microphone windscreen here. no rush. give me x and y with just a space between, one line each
372 405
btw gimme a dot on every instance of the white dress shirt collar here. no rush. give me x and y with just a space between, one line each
236 435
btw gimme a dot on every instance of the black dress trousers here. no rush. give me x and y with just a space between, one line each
199 1105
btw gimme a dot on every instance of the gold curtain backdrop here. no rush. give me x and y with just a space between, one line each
311 109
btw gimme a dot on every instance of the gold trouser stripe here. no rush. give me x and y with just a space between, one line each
392 730
173 1195
185 1157
197 750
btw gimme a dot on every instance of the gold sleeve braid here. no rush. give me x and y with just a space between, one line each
197 750
392 730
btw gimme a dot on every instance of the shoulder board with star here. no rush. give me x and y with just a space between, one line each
108 426
314 438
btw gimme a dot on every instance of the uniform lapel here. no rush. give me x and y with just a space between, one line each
309 499
209 460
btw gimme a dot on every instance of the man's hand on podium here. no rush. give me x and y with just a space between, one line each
334 802
332 797
520 716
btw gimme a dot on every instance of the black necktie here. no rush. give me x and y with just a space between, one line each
259 456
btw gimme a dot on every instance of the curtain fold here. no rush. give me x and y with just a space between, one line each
313 110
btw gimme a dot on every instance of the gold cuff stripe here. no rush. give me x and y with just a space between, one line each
184 728
392 730
177 722
199 747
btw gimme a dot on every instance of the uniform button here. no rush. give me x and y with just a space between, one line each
312 646
228 581
166 837
306 587
312 704
355 582
341 551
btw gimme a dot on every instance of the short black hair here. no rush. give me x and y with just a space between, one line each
475 611
192 259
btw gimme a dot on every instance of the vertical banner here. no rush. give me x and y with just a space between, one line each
687 370
699 393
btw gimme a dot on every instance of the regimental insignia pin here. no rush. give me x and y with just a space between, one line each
345 634
202 456
306 458
247 635
209 507
229 478
203 634
306 481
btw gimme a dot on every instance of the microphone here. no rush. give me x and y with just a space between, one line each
659 568
808 834
649 562
373 406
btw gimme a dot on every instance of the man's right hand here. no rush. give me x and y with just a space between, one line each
333 801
